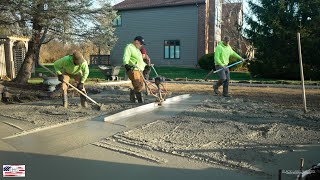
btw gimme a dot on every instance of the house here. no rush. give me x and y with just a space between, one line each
176 32
12 53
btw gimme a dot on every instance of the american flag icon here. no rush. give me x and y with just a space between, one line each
14 170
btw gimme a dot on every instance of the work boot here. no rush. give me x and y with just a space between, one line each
65 100
215 90
83 101
227 95
226 89
132 96
140 97
217 85
147 91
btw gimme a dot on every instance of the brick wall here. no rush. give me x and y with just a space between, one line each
201 30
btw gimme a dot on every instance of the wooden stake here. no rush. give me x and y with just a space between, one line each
301 75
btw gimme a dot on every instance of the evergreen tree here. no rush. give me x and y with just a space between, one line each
273 27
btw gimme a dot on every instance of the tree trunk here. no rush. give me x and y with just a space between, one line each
37 56
24 73
34 45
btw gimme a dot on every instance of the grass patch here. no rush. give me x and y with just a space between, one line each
35 81
192 73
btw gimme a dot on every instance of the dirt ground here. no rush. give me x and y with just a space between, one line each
286 97
245 131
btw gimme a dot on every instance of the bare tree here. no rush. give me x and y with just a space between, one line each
45 20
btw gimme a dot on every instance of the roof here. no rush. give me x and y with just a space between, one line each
15 37
145 4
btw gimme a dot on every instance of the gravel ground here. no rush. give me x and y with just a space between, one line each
244 132
34 105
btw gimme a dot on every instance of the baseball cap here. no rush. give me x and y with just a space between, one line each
226 39
140 39
78 58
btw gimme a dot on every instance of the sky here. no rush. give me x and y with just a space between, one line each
115 1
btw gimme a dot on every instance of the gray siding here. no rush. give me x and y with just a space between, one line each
157 25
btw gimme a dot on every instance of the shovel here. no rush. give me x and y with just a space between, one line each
100 106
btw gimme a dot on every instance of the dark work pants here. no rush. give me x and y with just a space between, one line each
224 78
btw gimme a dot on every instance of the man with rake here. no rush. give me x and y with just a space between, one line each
221 60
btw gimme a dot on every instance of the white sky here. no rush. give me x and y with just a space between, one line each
116 1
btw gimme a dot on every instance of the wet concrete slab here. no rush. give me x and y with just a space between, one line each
6 130
65 138
52 167
9 126
175 168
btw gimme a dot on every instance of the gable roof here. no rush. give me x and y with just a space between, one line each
145 4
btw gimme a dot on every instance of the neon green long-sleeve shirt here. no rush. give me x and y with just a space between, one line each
132 56
223 53
66 65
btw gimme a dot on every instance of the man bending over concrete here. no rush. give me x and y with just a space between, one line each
72 66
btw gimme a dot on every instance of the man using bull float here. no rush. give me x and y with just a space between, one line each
132 57
72 66
221 60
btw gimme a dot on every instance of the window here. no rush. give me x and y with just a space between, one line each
117 21
172 49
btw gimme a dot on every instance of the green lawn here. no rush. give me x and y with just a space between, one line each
181 73
192 73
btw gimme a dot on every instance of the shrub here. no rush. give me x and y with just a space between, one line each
207 61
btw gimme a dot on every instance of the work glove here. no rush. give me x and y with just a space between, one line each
60 77
225 68
128 67
80 86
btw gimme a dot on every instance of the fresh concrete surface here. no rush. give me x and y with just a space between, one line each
51 167
61 139
144 108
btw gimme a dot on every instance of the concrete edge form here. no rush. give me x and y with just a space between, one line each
115 83
143 109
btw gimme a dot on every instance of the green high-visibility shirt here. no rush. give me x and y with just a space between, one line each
132 56
66 65
223 53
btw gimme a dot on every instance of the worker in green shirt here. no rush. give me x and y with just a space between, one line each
221 59
133 63
72 66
